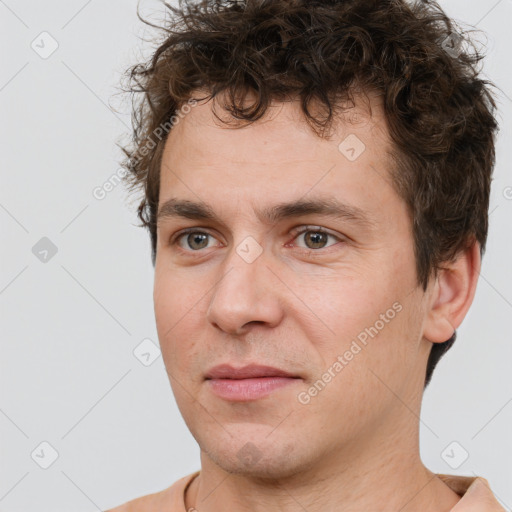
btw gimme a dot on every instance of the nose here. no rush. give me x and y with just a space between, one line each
245 295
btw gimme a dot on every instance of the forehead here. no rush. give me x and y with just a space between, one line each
279 155
281 133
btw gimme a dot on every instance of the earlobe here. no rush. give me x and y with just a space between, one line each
452 295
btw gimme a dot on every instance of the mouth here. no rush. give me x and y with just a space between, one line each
248 383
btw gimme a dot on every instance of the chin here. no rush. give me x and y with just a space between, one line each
258 458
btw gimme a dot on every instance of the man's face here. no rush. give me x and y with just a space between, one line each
338 309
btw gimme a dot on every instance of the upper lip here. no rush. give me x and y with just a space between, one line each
226 371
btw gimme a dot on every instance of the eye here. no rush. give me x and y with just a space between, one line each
310 238
193 240
315 238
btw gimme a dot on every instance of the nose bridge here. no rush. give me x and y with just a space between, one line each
244 292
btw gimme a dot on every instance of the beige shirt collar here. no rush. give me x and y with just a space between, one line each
476 496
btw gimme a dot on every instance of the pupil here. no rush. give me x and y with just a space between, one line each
200 238
316 238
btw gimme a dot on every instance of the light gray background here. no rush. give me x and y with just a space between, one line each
69 326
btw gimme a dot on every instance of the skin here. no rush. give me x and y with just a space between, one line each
298 306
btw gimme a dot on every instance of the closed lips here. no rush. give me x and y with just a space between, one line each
226 371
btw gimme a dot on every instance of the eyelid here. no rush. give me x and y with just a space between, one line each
311 227
316 229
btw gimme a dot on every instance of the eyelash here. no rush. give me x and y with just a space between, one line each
314 229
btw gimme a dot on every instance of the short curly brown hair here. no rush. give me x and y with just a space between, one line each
440 114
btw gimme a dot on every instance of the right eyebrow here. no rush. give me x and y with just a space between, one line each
186 209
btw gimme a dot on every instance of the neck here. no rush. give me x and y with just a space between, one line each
380 472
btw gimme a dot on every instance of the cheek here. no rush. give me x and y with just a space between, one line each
372 320
388 336
351 387
175 299
344 304
175 312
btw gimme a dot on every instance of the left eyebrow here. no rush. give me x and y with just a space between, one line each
322 206
327 207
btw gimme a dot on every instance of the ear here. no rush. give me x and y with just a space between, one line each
452 295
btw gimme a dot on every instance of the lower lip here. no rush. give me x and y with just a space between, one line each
241 390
